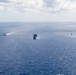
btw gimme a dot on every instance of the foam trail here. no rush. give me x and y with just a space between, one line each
36 38
10 33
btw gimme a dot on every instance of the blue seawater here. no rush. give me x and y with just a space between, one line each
53 53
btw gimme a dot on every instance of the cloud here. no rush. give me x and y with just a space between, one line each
59 5
50 6
4 1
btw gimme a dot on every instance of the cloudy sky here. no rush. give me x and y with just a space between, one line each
37 10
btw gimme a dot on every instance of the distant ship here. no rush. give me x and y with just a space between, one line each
71 34
4 34
34 36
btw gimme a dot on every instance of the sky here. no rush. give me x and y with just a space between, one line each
37 10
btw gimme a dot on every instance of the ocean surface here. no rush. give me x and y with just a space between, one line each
53 53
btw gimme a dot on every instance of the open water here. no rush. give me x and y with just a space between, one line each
53 53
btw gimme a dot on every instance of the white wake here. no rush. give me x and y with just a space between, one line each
36 38
10 33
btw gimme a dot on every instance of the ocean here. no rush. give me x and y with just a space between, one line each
53 53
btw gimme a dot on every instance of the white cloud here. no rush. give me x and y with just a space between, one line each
41 5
